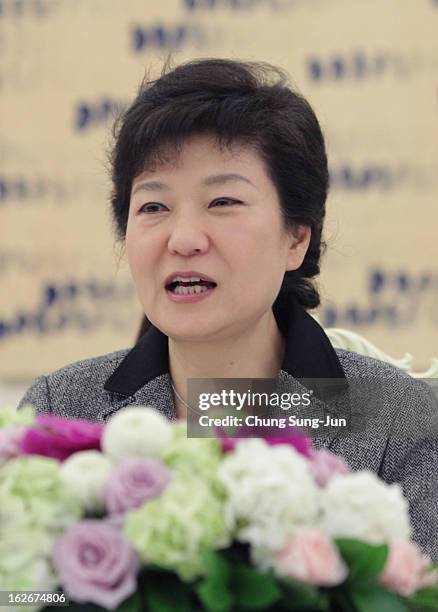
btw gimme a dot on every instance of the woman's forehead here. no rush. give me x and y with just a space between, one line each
171 155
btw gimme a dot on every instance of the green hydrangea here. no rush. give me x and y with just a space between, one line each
24 560
9 417
193 456
34 508
33 486
174 530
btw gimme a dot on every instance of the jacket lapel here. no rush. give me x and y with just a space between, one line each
156 393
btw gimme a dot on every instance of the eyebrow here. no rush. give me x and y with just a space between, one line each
216 179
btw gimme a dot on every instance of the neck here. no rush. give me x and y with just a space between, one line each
256 353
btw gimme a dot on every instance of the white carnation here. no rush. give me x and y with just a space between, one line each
85 475
136 431
361 506
270 493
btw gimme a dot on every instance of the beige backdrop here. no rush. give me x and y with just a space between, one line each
370 71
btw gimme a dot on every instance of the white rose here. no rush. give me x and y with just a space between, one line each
361 506
271 493
136 431
85 475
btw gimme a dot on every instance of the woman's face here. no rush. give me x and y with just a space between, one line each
215 213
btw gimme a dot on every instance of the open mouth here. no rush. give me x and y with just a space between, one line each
189 287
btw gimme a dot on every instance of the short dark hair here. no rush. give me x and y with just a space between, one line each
238 102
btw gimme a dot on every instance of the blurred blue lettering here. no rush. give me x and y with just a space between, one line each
21 8
355 65
163 37
401 282
394 299
367 177
83 306
89 114
194 5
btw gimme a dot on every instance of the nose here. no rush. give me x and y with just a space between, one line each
187 237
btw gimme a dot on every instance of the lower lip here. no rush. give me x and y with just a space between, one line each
187 299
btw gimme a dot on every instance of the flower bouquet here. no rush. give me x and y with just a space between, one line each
132 515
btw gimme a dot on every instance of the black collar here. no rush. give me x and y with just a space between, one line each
308 352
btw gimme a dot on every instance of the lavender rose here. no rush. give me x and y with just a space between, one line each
134 481
95 564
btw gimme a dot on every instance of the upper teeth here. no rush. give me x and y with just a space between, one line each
185 279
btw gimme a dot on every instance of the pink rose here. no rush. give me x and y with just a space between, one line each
54 436
407 569
134 481
325 465
94 564
311 557
300 442
10 442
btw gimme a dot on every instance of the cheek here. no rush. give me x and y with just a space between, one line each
139 247
133 252
139 265
257 246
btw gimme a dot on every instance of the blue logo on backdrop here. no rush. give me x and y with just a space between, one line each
193 5
394 299
82 306
275 5
91 114
380 281
367 177
339 67
384 177
360 65
20 8
42 189
19 189
165 37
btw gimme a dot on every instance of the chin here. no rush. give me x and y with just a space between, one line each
191 331
188 334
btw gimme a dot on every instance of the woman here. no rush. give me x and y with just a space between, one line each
220 181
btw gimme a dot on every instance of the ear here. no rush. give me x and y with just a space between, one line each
300 239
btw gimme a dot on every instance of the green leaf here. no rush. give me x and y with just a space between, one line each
214 590
215 595
132 604
166 593
254 591
425 599
365 561
216 565
340 600
299 596
377 598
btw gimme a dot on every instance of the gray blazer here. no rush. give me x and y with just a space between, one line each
399 443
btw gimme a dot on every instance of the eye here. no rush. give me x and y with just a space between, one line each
222 202
151 207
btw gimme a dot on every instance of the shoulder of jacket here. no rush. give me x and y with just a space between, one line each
403 391
75 390
94 367
363 366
